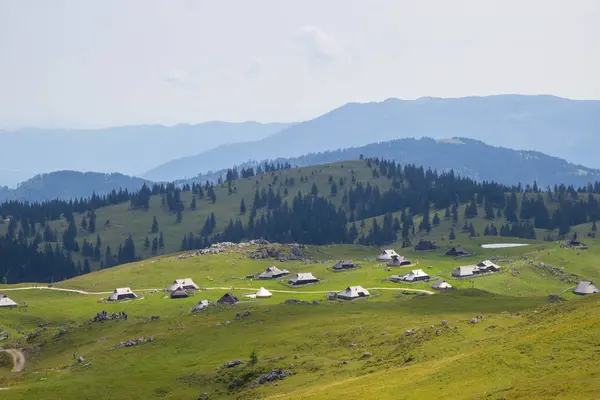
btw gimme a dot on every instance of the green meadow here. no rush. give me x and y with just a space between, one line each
526 345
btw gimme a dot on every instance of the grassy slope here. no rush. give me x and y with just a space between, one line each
124 221
548 352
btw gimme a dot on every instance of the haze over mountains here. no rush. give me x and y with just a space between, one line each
129 150
552 125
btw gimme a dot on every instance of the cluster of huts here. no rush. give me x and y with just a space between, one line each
483 267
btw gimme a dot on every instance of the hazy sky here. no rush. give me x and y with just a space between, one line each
111 62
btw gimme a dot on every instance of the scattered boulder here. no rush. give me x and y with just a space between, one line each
366 354
409 332
154 318
203 396
234 363
246 314
438 332
135 342
315 303
238 316
474 321
444 322
274 375
353 345
80 360
345 363
296 357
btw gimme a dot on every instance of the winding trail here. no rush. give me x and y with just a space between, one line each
221 288
18 359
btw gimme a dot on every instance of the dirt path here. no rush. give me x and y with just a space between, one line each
222 288
18 359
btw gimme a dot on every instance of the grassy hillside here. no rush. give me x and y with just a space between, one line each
524 347
124 221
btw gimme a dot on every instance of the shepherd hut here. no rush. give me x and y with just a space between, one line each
122 294
185 284
585 287
6 302
398 261
228 298
353 292
263 293
303 278
273 273
386 255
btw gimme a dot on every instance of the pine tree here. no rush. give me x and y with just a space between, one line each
193 203
472 232
154 228
452 235
242 207
334 189
314 190
84 223
436 219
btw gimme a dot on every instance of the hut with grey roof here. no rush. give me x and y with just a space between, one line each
273 273
353 292
386 255
303 278
185 284
457 251
344 265
179 293
228 298
122 294
398 261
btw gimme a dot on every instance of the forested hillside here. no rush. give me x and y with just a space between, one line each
371 202
68 185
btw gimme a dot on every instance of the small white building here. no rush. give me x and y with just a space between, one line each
263 293
6 302
185 284
122 294
585 287
387 255
353 292
441 285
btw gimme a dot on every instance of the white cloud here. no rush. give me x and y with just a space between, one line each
320 45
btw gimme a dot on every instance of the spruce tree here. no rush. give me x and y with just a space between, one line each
154 228
193 203
242 207
179 217
154 246
314 190
161 241
436 219
472 232
146 243
84 223
452 235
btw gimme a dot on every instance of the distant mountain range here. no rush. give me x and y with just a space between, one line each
467 157
69 185
130 150
552 125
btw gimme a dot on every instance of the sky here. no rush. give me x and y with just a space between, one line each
84 64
